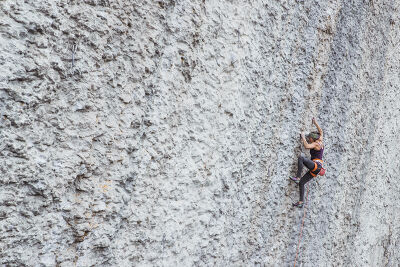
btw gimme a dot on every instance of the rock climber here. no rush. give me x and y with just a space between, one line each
315 164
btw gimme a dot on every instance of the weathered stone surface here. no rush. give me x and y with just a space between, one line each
139 133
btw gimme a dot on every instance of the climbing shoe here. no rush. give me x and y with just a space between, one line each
295 179
298 204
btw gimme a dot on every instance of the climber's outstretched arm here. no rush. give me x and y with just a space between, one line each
321 133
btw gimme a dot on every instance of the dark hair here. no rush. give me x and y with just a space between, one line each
313 135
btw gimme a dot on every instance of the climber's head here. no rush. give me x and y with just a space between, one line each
312 137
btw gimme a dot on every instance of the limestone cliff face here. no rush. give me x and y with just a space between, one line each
139 133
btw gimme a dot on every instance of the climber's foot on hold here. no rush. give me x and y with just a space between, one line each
295 179
298 204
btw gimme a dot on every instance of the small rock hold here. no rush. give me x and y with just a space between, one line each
125 98
102 242
100 206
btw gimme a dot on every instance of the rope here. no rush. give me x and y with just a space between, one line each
301 228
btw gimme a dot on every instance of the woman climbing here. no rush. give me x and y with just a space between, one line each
316 146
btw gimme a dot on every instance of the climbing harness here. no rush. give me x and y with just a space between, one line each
318 169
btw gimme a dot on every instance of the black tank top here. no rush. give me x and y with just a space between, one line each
317 154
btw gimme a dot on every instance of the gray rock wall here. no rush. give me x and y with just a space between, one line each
162 133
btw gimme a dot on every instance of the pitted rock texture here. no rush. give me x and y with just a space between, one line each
162 133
